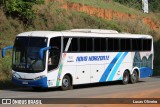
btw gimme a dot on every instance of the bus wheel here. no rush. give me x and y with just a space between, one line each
66 83
125 79
134 77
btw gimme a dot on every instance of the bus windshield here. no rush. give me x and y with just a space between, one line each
26 54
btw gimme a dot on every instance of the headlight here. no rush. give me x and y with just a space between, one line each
37 78
14 75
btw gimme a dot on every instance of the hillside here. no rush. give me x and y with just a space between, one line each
64 15
113 13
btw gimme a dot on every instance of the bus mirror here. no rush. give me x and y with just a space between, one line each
42 51
5 49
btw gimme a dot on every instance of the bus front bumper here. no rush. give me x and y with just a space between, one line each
42 82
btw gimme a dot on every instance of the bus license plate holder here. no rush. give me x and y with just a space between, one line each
24 82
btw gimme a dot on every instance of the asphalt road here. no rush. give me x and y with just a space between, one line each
100 90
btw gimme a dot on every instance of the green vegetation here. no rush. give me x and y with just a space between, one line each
108 5
21 9
122 6
137 4
153 4
51 17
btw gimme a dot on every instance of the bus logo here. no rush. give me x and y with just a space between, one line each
6 101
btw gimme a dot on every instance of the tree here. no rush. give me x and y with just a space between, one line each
154 5
1 2
21 9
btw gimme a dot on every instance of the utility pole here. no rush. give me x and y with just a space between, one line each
145 6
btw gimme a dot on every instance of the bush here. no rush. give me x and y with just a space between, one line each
5 68
135 26
154 5
131 3
21 9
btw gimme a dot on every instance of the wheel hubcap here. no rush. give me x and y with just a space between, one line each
65 82
125 78
134 76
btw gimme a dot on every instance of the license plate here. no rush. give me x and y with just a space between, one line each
24 82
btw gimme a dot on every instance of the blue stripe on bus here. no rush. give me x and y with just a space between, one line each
116 67
110 66
120 78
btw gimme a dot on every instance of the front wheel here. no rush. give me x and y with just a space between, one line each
125 79
66 83
134 77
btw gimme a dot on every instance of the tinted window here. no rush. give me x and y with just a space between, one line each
26 54
103 44
116 44
74 45
134 44
122 44
89 44
110 44
139 44
128 45
107 44
125 44
83 44
54 53
65 40
147 44
97 44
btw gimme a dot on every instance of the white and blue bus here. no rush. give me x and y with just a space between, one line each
43 59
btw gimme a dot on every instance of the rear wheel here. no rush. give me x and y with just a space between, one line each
66 83
134 77
125 79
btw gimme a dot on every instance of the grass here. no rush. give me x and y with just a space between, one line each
53 18
109 5
117 7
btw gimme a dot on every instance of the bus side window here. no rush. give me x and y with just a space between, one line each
83 44
97 44
116 45
103 45
110 44
54 53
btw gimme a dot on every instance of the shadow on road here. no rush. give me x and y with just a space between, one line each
98 84
55 89
156 77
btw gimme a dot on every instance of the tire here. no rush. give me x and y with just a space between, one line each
134 77
125 79
66 83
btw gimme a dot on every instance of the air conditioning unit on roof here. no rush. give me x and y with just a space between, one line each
102 31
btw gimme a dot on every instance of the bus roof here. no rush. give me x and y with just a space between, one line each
83 33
